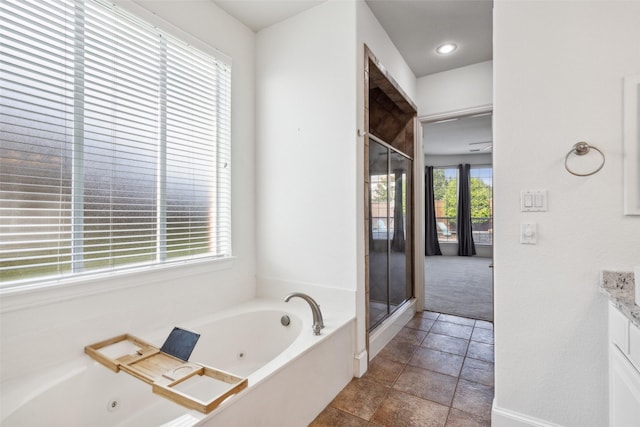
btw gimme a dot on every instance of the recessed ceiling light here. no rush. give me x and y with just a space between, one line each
446 48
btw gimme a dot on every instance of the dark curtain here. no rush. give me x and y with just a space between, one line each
431 246
466 247
397 244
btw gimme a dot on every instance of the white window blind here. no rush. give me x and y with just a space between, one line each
115 142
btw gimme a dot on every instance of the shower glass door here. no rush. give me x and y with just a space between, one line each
400 240
390 228
379 219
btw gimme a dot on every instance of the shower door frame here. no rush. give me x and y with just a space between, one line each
409 251
412 208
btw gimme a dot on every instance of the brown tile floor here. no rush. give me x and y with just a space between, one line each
438 371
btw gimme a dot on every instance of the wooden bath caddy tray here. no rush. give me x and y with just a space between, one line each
165 372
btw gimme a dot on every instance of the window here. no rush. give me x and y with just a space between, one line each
445 194
115 143
381 221
481 178
383 204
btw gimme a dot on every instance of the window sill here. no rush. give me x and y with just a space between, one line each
47 292
455 243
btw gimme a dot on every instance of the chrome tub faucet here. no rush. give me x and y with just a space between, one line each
318 323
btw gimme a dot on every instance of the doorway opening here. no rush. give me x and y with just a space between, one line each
459 214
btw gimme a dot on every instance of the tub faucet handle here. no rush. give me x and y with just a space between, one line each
318 322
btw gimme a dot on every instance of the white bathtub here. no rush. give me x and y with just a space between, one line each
292 375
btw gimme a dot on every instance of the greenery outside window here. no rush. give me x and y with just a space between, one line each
381 193
383 196
445 190
445 194
114 143
481 178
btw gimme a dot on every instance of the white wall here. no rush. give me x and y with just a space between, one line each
456 90
454 160
50 326
310 179
371 33
306 154
558 80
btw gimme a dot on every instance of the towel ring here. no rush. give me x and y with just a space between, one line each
580 149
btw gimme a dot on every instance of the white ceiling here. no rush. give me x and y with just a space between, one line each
259 14
464 135
416 27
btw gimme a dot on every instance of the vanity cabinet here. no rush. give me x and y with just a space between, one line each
624 370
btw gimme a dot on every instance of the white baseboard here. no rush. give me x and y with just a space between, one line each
501 417
360 364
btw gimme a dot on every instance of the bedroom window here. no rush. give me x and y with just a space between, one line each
114 143
481 178
445 191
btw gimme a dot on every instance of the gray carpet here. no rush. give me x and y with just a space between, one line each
462 286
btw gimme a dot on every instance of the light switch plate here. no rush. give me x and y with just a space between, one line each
529 234
533 201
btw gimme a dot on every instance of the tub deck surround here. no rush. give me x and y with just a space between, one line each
620 288
292 375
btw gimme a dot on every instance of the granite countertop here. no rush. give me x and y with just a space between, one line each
620 288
